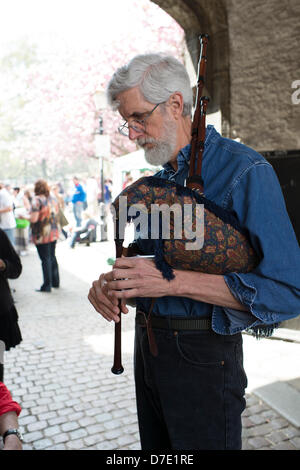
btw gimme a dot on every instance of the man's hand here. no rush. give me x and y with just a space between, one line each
130 277
105 304
137 277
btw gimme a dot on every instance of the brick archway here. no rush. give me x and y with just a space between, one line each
207 16
253 64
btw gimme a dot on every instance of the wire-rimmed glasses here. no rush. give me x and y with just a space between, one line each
138 125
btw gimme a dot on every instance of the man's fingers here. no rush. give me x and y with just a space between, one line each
100 308
102 303
124 262
123 306
121 284
126 294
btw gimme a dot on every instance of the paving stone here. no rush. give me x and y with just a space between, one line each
135 446
261 430
107 445
96 429
246 445
75 445
286 445
269 414
258 419
58 420
291 431
125 440
57 447
130 429
24 420
42 444
37 410
132 418
26 446
69 426
112 424
93 440
48 415
56 406
113 434
296 442
63 398
60 438
70 399
78 433
119 413
52 430
279 423
33 436
38 425
100 418
276 436
258 442
86 421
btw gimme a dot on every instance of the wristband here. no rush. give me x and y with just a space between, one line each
12 431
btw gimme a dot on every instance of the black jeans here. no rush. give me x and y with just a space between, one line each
46 253
191 396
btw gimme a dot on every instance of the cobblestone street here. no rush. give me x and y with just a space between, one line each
60 373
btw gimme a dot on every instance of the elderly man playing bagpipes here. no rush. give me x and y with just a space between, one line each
191 306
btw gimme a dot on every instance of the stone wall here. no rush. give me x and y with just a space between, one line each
264 61
254 57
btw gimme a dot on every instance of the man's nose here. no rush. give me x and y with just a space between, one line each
134 133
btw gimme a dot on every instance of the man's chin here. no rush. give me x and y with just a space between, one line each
156 160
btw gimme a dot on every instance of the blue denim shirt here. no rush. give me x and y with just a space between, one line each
240 180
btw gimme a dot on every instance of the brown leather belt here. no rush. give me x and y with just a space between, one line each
174 323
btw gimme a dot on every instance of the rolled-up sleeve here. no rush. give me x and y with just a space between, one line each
271 292
6 402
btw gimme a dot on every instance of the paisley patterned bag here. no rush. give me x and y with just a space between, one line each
224 248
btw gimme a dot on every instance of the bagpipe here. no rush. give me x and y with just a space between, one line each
220 245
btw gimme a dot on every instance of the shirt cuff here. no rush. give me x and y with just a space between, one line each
246 294
243 292
12 406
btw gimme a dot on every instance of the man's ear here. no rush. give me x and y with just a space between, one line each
176 104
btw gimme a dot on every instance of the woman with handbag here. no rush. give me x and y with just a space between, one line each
62 219
45 233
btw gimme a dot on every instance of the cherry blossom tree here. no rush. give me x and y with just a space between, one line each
57 121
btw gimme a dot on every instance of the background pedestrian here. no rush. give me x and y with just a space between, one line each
45 233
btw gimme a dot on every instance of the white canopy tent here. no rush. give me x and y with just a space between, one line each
134 163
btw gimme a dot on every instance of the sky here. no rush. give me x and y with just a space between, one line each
79 20
40 16
73 41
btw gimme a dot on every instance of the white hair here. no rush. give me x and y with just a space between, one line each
157 76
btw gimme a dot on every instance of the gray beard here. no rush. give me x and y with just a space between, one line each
163 149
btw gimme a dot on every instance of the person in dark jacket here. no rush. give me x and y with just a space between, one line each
10 268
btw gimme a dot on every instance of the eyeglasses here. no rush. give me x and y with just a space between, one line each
138 125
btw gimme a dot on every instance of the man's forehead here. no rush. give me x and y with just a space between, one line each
132 103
